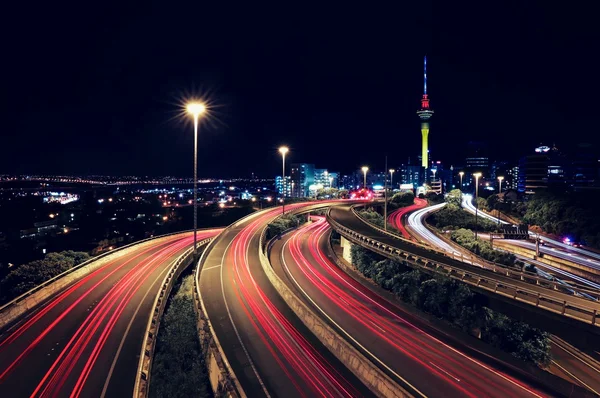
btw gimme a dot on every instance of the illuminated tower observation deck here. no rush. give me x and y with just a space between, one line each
425 114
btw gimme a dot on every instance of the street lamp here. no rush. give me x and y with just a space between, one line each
500 184
461 174
196 109
330 182
433 171
364 170
476 175
283 150
392 171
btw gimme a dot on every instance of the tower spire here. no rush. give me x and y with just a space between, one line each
425 75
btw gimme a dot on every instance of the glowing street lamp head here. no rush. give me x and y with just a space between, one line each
364 169
283 150
392 171
500 178
461 173
476 175
195 108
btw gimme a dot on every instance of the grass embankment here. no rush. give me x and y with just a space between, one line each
178 369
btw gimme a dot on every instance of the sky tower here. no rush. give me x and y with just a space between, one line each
424 114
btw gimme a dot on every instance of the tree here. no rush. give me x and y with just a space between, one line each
403 198
454 197
433 198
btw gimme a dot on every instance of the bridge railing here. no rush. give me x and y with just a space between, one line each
531 277
548 302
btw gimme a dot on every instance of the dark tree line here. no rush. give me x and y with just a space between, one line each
25 277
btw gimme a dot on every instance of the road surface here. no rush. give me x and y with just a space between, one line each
392 338
270 350
396 219
86 340
568 362
560 249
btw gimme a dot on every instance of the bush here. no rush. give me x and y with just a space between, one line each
572 214
433 198
402 199
375 218
454 197
453 301
27 276
452 216
179 369
466 238
283 223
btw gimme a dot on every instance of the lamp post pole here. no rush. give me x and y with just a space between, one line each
476 175
196 109
385 198
461 174
283 150
364 170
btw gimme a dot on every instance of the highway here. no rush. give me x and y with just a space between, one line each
395 340
506 283
561 250
568 362
86 340
397 217
270 350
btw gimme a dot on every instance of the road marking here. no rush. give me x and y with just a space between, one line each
214 266
378 327
455 378
114 362
575 377
237 333
342 329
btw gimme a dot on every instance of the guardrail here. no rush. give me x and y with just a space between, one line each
83 264
569 309
216 355
527 276
29 300
373 377
142 379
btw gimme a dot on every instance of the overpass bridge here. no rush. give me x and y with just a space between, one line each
521 295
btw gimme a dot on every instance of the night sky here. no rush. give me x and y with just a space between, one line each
91 87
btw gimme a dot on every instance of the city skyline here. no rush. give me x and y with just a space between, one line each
103 116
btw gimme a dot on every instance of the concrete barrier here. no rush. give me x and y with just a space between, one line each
222 378
142 379
373 377
31 299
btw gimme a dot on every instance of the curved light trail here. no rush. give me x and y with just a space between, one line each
592 260
396 218
393 339
282 357
73 344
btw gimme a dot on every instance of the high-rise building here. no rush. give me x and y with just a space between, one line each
584 168
302 176
283 187
425 114
542 170
411 174
477 161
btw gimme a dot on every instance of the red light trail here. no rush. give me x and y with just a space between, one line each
302 364
395 219
382 328
89 327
